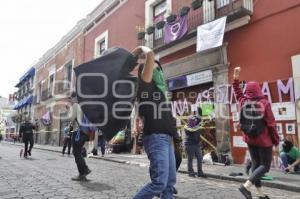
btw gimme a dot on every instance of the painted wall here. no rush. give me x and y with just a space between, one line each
263 48
121 26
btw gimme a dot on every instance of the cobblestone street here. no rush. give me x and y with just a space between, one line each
47 175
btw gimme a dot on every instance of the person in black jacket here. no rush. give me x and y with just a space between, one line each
159 126
193 146
26 132
67 139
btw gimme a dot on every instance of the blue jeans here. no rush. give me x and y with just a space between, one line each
287 160
160 152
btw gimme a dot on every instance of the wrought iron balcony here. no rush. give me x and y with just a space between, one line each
211 10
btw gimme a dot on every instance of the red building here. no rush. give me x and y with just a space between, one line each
114 27
260 36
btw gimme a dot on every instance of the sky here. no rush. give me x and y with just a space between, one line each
28 28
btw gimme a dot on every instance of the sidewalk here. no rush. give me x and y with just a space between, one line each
290 182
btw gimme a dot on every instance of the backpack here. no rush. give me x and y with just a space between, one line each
252 119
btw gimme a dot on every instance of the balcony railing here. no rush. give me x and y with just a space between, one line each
233 9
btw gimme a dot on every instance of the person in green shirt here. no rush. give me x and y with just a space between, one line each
290 156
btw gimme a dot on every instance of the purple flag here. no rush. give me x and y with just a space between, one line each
46 119
175 30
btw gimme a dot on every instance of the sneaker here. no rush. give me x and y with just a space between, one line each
202 175
192 175
245 192
79 178
265 197
175 192
29 153
87 172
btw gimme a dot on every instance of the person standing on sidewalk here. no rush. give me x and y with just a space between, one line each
67 139
159 127
260 132
193 146
101 142
26 133
79 138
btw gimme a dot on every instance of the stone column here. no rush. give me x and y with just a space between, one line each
220 77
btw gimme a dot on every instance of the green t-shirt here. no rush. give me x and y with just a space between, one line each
294 153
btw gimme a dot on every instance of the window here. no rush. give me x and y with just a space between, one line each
28 86
39 93
222 3
156 11
159 11
101 44
51 85
102 47
68 75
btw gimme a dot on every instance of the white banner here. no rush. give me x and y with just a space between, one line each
211 35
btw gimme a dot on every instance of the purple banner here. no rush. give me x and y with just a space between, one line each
175 30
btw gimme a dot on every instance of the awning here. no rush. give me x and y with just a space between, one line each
24 102
27 75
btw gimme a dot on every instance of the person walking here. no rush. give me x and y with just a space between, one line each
79 137
193 146
67 139
259 128
26 133
159 127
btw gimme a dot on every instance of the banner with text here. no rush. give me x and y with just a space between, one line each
211 35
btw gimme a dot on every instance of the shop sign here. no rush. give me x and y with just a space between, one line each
199 78
190 80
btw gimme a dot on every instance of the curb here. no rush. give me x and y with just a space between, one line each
215 176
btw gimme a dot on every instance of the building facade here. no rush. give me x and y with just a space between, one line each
24 97
255 38
86 41
260 36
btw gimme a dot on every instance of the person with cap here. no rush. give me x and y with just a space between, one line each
193 146
79 138
26 133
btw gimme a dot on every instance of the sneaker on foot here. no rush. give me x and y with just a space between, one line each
245 192
79 178
192 174
175 192
202 175
88 171
265 197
